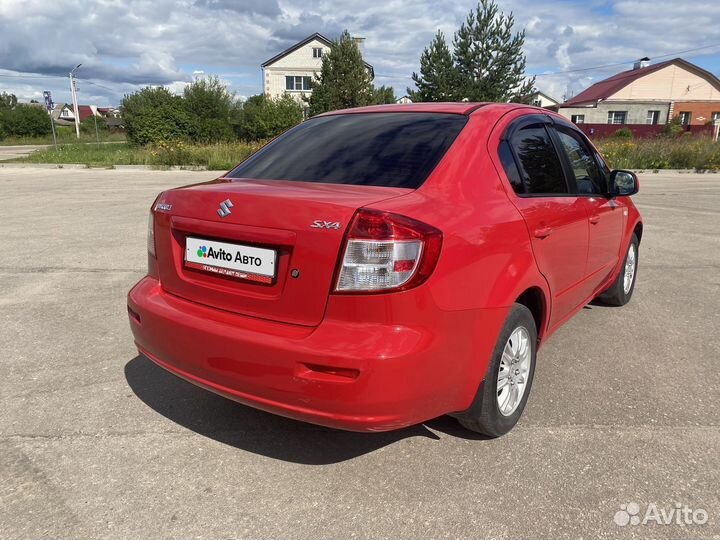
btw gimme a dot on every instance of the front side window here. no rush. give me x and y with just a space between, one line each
372 149
653 117
539 164
685 118
616 117
296 83
588 178
577 118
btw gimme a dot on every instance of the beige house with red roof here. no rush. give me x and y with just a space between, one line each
649 94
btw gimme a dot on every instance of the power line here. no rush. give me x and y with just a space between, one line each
626 62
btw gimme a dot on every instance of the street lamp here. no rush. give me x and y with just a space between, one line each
73 92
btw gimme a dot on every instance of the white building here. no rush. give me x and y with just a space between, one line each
292 70
540 99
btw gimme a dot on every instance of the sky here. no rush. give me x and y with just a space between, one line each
124 45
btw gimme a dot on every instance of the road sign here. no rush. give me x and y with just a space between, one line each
48 100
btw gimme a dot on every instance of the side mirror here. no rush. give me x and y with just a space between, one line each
623 183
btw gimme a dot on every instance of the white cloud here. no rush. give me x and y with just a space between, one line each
124 45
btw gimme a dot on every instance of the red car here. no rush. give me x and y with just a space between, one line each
377 267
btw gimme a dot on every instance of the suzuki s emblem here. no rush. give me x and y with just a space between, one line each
320 224
225 207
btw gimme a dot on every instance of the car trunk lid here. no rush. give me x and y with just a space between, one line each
303 223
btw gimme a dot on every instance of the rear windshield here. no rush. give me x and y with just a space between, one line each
371 149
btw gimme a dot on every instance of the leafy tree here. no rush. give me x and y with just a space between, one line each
264 118
383 95
8 101
25 121
344 80
489 58
487 62
88 125
211 108
438 80
154 115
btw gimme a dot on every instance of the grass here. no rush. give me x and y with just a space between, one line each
65 135
220 157
684 152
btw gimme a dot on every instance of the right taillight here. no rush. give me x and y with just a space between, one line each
386 252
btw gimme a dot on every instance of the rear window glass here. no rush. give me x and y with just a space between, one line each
373 149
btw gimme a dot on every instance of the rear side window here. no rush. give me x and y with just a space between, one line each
588 178
540 167
373 149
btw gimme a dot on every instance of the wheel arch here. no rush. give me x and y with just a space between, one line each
535 300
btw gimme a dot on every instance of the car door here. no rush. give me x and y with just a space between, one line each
605 215
556 219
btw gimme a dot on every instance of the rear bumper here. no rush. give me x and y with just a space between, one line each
374 375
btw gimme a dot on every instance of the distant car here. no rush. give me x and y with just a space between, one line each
377 267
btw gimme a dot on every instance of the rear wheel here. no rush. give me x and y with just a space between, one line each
620 292
502 396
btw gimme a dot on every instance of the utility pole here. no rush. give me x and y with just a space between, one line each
73 92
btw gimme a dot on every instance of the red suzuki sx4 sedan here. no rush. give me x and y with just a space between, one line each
377 267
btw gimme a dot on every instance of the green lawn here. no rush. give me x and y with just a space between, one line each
222 156
65 135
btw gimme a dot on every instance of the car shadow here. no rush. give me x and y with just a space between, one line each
259 432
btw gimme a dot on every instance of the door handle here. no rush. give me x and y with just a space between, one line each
543 232
594 219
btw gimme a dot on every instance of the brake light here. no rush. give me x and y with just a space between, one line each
386 252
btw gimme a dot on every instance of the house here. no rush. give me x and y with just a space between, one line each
540 99
292 70
405 100
649 94
64 114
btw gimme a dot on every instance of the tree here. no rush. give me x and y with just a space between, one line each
383 95
487 62
264 118
25 121
489 58
344 79
7 101
210 107
154 115
438 79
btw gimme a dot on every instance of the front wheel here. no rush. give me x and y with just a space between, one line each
620 292
502 396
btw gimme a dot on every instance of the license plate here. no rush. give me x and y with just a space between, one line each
234 260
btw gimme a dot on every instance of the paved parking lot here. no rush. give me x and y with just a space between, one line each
97 442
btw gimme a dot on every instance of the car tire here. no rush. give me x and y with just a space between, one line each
490 413
620 292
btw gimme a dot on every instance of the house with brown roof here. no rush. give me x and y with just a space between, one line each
649 94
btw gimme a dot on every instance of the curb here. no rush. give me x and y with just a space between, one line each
101 167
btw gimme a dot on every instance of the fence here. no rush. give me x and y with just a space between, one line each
640 131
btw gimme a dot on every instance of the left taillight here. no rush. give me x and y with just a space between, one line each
151 234
386 252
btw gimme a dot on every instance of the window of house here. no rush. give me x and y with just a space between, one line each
616 117
297 83
715 117
317 52
685 117
537 103
65 112
577 118
653 117
539 164
588 178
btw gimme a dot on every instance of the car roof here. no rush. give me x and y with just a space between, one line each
461 108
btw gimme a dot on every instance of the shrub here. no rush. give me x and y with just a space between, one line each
87 126
25 121
154 115
623 133
265 118
211 109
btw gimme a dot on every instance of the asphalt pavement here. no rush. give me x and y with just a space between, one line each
97 442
